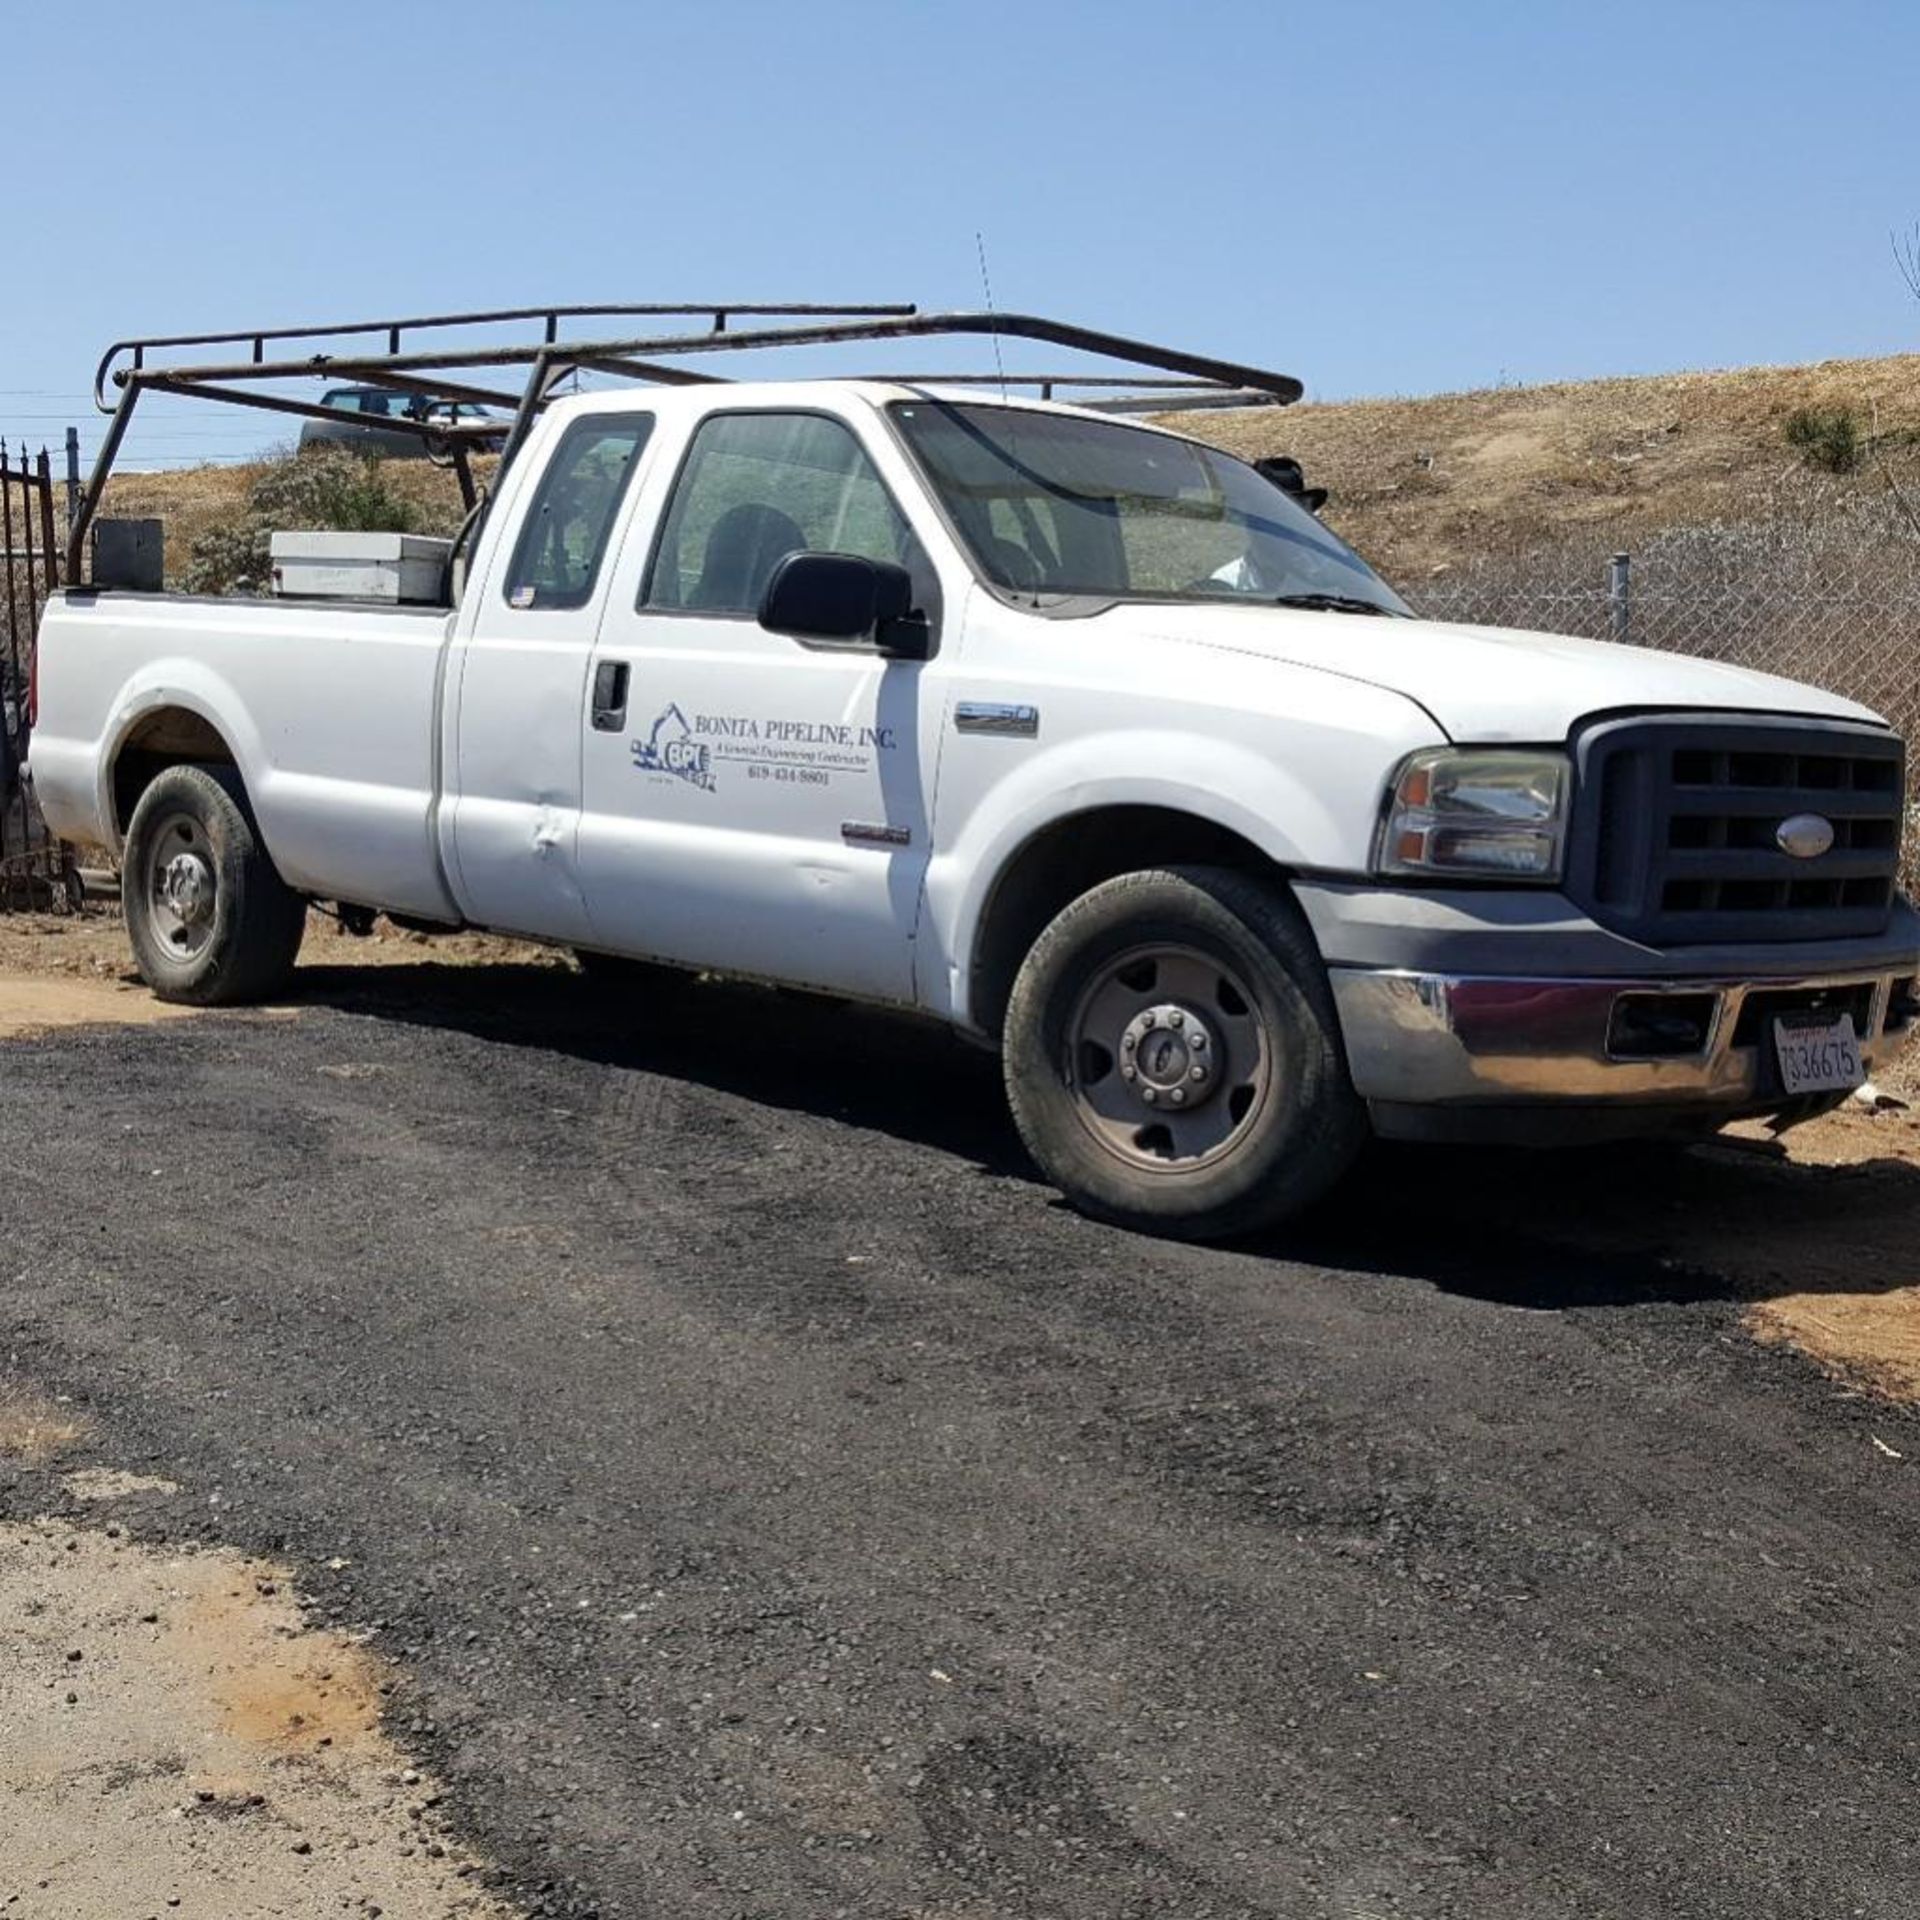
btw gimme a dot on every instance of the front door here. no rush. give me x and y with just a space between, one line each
764 808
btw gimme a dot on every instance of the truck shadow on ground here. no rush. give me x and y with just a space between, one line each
1543 1231
891 1073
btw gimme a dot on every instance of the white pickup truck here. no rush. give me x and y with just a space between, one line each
1076 734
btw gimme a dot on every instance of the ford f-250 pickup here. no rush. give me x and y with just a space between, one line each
1075 733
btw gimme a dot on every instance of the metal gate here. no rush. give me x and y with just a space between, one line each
35 869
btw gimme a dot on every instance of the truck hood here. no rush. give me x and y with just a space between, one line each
1488 683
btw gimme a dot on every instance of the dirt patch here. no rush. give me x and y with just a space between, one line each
75 970
1842 1282
29 1005
36 1431
177 1736
1873 1338
109 1483
94 946
1818 1229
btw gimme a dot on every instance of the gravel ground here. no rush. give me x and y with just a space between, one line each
776 1504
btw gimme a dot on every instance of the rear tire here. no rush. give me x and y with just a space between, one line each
1172 1056
211 921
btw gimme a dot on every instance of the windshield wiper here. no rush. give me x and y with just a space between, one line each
1332 603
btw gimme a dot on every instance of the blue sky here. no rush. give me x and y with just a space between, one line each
1381 196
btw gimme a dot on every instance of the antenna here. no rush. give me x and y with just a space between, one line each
986 287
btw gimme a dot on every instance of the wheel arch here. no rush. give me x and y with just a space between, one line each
1072 854
167 725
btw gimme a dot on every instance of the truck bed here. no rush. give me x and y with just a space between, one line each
330 709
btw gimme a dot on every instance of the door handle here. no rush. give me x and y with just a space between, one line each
610 696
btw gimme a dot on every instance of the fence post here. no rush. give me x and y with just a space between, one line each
73 475
50 569
1620 597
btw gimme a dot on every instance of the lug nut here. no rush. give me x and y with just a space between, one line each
1198 1041
1147 1021
1176 1018
1197 1075
1129 1072
1148 1095
1129 1040
1178 1097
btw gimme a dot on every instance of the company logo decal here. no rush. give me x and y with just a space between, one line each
1806 836
812 753
671 748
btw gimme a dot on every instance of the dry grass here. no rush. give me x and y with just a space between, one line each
193 500
1426 485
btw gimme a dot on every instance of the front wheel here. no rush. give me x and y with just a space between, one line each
211 921
1172 1056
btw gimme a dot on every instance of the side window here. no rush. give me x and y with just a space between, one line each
570 518
757 487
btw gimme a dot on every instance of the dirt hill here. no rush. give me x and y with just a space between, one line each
1420 485
1428 485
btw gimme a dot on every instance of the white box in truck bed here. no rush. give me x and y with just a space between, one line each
402 568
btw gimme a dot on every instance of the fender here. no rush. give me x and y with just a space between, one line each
194 688
1298 818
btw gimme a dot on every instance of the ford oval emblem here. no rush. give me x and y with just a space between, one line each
1806 835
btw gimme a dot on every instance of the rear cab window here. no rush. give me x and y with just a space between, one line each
575 505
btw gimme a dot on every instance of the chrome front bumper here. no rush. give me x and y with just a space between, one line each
1433 1052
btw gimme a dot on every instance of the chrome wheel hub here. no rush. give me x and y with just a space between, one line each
187 887
182 886
1168 1055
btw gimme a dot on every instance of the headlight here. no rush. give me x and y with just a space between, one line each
1487 811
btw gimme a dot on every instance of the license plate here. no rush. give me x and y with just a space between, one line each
1818 1056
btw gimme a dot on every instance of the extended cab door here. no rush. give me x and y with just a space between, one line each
520 681
760 803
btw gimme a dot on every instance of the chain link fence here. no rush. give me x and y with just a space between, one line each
1863 644
1837 606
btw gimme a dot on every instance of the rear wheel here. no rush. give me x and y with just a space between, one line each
1172 1056
211 921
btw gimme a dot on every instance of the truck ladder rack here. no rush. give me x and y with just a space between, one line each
424 368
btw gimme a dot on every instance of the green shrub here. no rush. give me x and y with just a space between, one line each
319 489
1826 437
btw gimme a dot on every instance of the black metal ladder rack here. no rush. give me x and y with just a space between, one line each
419 361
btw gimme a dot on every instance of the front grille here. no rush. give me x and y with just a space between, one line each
1676 820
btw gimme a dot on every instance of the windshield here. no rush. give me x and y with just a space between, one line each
1054 505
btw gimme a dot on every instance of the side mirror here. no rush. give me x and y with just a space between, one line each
840 596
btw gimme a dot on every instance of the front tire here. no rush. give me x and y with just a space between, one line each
211 921
1172 1056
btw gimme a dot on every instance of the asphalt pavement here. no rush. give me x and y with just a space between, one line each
779 1505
